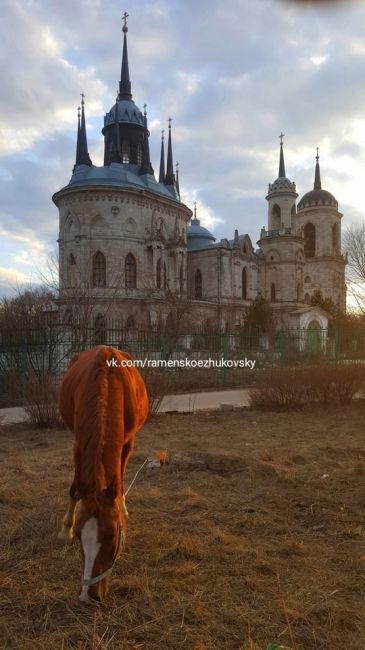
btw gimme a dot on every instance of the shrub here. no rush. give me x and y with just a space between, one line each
40 400
157 384
283 388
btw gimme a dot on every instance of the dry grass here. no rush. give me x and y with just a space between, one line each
238 542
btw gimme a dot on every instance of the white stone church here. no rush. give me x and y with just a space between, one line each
136 253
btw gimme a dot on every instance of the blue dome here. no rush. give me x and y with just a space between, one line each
198 237
128 113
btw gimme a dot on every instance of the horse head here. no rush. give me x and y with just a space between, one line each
100 527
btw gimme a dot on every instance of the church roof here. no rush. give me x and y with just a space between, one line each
128 113
119 175
197 236
317 197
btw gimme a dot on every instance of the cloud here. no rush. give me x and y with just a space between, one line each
232 75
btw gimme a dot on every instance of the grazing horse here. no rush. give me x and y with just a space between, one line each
104 404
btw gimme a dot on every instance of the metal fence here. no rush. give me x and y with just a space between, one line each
213 356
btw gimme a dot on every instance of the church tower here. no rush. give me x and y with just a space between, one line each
319 221
122 240
281 279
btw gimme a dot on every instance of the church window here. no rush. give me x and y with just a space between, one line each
99 269
307 279
198 293
164 276
273 293
244 284
125 152
276 217
159 274
99 330
181 278
309 240
139 154
244 249
307 299
67 319
130 272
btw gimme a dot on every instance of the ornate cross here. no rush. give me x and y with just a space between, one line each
317 156
281 137
82 98
169 121
124 17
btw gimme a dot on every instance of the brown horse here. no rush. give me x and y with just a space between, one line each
104 403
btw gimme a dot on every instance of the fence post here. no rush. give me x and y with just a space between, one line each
225 350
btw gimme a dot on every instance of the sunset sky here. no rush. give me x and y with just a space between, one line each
231 74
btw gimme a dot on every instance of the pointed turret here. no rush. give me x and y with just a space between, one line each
125 82
317 176
281 161
82 154
161 178
78 135
115 152
235 240
146 167
177 179
170 177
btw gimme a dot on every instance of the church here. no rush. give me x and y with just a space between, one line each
131 250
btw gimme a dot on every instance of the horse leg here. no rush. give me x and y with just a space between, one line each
67 531
126 452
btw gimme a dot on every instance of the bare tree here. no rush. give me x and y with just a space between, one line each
354 246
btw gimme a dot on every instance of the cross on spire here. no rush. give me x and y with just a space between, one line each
82 98
317 156
124 17
169 121
145 107
281 137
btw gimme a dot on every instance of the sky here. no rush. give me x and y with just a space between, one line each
231 74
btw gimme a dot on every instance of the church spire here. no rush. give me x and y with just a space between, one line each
169 178
177 179
281 162
146 167
317 176
161 177
82 154
125 83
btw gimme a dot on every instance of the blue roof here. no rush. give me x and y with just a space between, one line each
128 112
198 237
118 175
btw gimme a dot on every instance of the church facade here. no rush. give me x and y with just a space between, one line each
131 250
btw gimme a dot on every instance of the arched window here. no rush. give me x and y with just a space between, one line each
99 269
129 325
335 238
71 270
67 319
198 288
99 330
181 278
130 272
273 293
276 217
164 276
244 284
309 240
307 279
159 274
307 299
125 152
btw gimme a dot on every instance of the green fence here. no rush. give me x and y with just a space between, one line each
51 348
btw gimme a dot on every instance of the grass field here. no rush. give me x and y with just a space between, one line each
253 534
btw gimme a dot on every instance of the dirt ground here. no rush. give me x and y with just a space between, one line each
252 536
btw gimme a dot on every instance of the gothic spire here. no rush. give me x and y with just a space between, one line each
146 167
317 176
78 135
161 177
177 179
125 83
82 154
169 178
281 163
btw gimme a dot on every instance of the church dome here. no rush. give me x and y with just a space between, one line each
128 113
198 236
317 198
282 183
